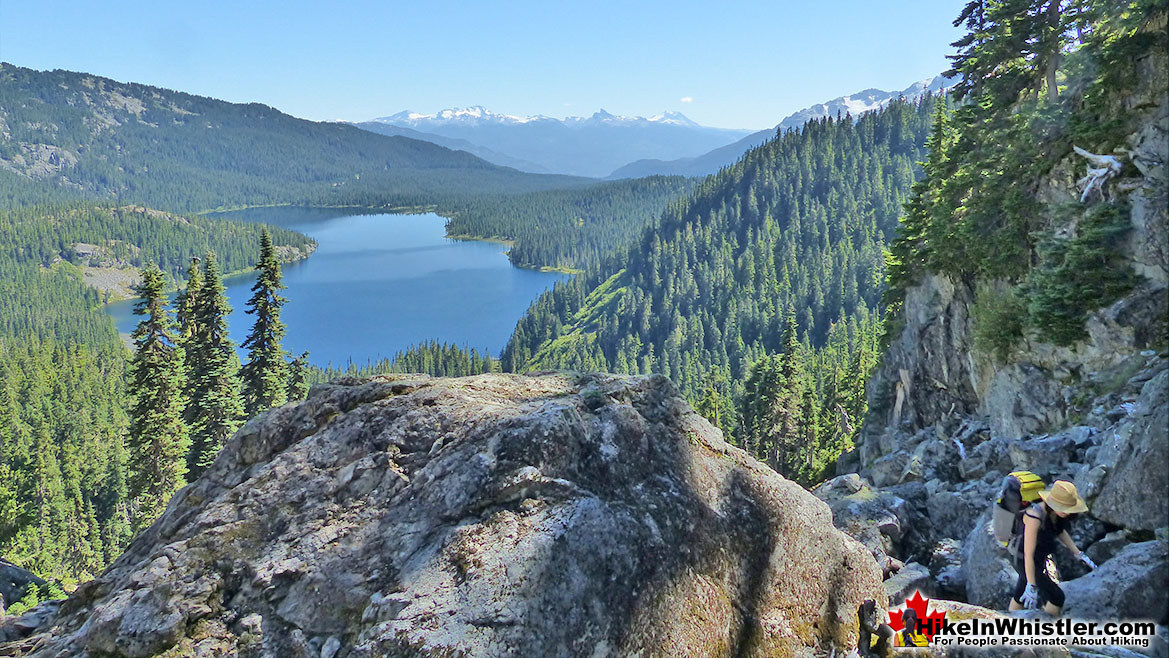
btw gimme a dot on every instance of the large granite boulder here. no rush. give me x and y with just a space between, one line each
1135 458
989 574
484 516
1133 584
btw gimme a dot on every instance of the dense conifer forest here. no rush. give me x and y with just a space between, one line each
1034 85
777 257
760 291
568 229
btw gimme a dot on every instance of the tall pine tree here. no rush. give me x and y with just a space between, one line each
158 436
214 407
265 376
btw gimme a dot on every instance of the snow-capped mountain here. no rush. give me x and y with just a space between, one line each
479 115
474 115
853 104
864 101
584 146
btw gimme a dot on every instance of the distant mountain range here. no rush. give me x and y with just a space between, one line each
612 146
585 146
854 104
67 135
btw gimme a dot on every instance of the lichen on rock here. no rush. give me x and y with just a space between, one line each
495 515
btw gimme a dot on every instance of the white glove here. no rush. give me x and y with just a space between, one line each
1030 598
1088 561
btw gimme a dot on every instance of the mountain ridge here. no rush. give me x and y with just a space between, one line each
85 136
479 113
582 146
855 104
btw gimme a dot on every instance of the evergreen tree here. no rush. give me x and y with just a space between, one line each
787 426
298 378
716 406
214 407
158 436
185 301
265 376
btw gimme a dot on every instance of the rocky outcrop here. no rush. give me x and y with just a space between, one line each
484 516
13 583
1132 585
953 420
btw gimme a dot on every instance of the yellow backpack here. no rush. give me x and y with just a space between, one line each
1020 489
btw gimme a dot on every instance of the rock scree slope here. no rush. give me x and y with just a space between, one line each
495 515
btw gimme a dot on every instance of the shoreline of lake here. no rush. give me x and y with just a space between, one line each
381 283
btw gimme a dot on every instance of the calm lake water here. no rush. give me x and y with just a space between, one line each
378 284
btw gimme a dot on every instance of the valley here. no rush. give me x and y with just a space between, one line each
469 382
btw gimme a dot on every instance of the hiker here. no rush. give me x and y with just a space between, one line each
1045 522
909 636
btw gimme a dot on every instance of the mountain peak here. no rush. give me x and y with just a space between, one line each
478 115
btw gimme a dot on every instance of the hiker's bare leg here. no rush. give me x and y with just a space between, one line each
1052 609
1015 605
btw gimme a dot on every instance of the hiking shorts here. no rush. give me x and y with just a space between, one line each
1048 589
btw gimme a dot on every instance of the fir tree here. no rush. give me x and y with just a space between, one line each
187 321
787 425
716 406
215 406
298 378
265 376
185 301
158 436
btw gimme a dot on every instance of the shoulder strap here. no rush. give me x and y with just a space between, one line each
1036 511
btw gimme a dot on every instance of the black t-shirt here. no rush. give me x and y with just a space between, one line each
1051 526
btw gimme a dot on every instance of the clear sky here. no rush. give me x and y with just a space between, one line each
727 63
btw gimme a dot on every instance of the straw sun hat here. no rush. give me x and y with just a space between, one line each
1063 497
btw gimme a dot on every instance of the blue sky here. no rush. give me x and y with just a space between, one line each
738 64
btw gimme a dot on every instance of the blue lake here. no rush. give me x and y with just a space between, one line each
378 284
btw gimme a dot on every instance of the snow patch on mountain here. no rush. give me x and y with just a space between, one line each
477 115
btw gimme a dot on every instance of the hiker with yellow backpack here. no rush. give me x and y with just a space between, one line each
1029 520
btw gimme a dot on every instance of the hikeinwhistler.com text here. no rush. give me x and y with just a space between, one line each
1017 632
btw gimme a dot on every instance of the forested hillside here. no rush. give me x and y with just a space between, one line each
50 257
570 229
76 135
64 505
1035 85
781 254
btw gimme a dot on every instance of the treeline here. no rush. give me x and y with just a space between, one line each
429 357
78 465
570 229
187 388
797 227
1036 79
42 289
72 135
63 457
132 236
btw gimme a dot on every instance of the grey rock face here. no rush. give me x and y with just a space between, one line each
13 582
1137 463
1023 399
989 574
1134 584
483 516
927 376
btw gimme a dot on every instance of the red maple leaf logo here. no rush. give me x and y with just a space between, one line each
929 622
